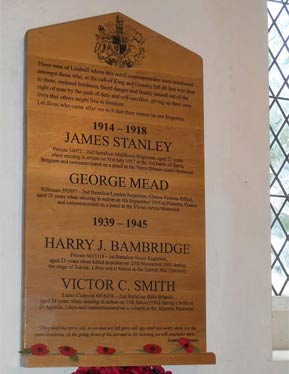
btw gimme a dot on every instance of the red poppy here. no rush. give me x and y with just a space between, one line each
87 370
109 370
67 351
139 370
39 349
105 350
186 344
152 348
158 370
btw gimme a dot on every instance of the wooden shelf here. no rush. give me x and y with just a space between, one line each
205 358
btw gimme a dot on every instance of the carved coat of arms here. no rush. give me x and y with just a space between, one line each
119 45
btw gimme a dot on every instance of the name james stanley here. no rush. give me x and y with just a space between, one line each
51 242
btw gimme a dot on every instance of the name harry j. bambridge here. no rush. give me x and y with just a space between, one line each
51 242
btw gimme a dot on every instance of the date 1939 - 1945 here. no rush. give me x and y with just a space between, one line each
129 223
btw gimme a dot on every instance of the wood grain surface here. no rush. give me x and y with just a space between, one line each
114 222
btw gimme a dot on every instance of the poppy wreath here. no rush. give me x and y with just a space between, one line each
122 370
40 349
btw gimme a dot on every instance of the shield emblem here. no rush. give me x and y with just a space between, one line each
120 44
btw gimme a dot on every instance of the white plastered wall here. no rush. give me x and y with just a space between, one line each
231 37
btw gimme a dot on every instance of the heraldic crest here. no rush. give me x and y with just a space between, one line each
119 45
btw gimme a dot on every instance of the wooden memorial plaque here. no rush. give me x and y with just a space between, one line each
114 268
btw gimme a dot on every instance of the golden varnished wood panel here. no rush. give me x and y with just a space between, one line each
114 222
